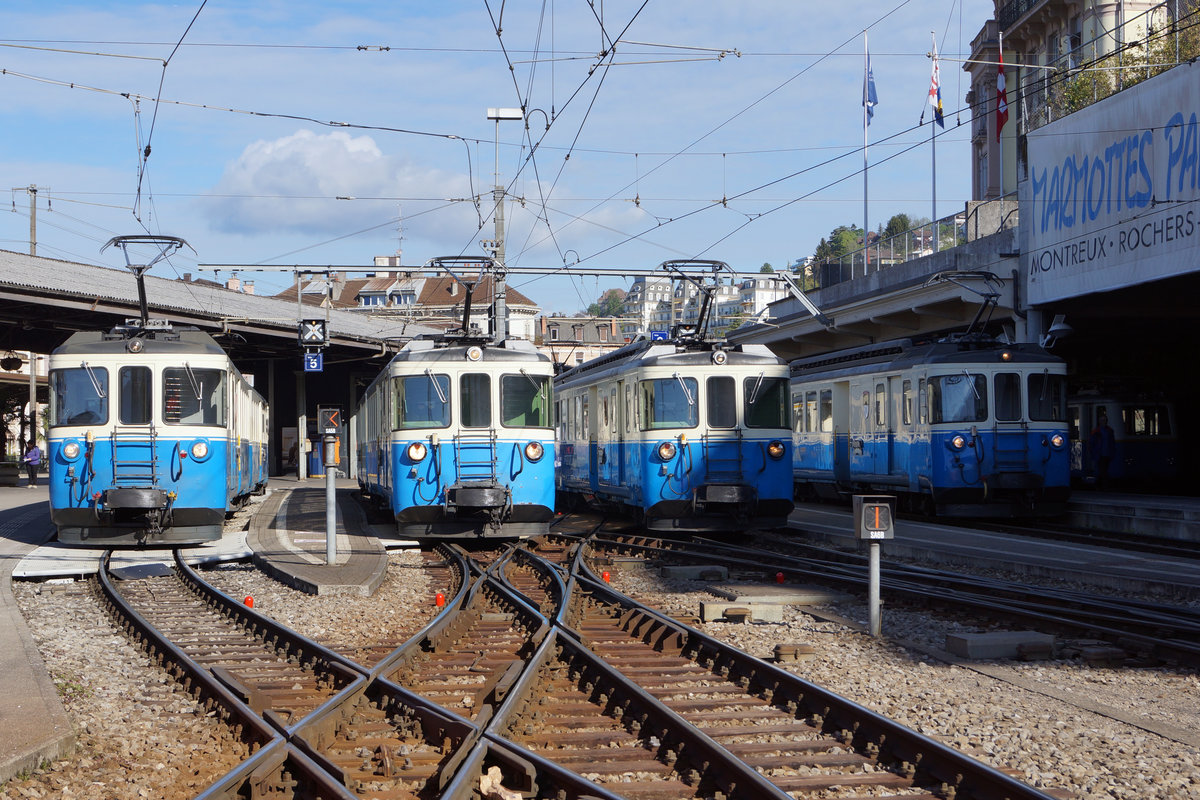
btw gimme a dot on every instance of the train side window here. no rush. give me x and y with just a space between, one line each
1146 420
880 406
721 402
922 401
766 402
79 396
826 411
193 396
906 407
798 412
525 401
1007 386
1047 397
134 401
812 424
628 408
422 401
475 390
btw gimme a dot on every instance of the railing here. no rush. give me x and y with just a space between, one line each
977 220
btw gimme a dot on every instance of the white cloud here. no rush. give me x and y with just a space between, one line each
291 184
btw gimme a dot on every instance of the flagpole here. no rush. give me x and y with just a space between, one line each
866 77
933 148
999 138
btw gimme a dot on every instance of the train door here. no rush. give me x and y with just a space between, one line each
627 435
835 411
904 412
607 434
587 421
885 424
861 429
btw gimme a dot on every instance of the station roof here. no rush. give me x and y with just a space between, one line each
45 300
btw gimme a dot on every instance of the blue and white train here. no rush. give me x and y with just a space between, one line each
154 436
455 439
965 426
684 435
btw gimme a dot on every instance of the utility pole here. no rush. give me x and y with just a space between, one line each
32 191
500 308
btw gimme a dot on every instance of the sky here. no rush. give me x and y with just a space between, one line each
297 133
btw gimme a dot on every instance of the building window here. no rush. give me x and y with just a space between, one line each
554 334
603 333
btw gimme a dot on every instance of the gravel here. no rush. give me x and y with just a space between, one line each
1094 730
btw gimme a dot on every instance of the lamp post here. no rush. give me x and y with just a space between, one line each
500 313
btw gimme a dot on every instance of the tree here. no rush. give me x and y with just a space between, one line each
898 224
609 304
766 267
842 240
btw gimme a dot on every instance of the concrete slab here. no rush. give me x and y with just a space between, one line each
782 593
53 560
997 644
695 572
758 612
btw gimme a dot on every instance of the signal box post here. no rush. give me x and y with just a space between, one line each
873 523
328 422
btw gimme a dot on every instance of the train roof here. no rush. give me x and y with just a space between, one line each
649 353
452 350
903 353
155 341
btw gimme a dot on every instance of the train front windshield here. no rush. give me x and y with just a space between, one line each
79 396
766 402
193 396
525 401
669 403
423 401
965 397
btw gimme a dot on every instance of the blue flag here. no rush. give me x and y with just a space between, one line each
870 99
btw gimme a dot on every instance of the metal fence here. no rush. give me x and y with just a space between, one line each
976 220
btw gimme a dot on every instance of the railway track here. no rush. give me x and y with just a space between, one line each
539 679
1145 629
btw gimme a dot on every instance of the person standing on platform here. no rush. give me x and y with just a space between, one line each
1102 445
33 462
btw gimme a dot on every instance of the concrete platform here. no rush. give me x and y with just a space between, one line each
289 542
950 546
33 725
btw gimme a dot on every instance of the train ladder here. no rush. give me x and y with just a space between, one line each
1010 447
135 456
475 455
723 456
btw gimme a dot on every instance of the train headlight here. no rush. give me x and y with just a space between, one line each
775 449
417 451
534 451
666 451
1005 355
474 353
1057 440
135 346
956 442
70 450
199 449
719 357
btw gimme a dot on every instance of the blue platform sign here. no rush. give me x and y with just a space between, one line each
314 362
658 336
